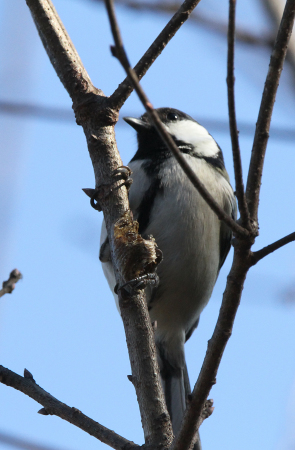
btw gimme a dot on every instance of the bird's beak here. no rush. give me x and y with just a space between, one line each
137 124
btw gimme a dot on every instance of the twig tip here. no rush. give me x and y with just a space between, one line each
114 51
43 412
28 375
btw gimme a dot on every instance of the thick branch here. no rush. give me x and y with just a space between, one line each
265 251
94 113
240 192
53 406
9 285
266 108
120 53
121 94
60 48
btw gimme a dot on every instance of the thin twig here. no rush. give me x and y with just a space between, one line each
266 108
121 94
9 285
120 53
240 191
54 407
265 251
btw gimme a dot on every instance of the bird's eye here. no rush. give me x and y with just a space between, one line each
172 116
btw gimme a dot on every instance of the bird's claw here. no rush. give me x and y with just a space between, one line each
140 283
124 172
103 190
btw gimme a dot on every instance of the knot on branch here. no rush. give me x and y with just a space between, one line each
94 108
138 257
9 285
44 412
207 409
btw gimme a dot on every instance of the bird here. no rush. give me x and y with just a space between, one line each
194 242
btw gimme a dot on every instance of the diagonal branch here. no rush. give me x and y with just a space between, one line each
121 94
60 48
266 108
52 406
265 251
240 192
120 53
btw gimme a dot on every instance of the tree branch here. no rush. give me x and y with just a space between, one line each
265 251
120 53
266 108
121 94
52 406
9 285
240 192
59 47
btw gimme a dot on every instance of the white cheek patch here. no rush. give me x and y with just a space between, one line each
194 134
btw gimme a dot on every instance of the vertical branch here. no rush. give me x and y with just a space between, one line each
266 108
240 192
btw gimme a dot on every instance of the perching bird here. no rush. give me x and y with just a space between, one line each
193 240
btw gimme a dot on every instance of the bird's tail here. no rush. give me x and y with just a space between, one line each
176 386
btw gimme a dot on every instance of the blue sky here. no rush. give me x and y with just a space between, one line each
61 322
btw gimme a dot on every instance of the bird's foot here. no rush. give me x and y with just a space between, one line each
140 283
124 173
104 190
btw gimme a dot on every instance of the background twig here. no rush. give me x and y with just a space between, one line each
266 108
9 285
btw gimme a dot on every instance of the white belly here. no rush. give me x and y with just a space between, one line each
188 235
